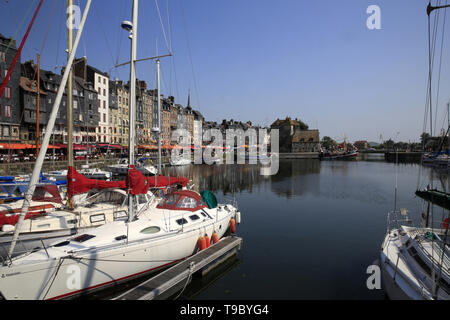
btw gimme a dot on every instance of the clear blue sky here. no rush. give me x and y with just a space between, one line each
263 59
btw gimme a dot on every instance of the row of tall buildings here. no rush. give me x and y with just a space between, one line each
100 106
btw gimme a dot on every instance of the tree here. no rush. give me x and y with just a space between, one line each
389 144
424 137
328 143
303 126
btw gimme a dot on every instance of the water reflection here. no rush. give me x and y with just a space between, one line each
316 225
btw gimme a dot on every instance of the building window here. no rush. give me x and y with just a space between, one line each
104 81
8 111
8 93
99 79
75 104
2 57
104 92
104 117
104 104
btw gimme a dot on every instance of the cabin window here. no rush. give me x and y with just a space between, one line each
188 203
62 244
97 218
181 221
74 221
120 215
203 214
170 200
83 238
194 217
122 237
151 230
142 198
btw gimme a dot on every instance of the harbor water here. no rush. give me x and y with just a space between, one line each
310 231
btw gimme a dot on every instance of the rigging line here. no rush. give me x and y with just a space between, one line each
104 34
83 38
48 27
61 261
170 44
440 65
20 25
430 66
162 26
24 39
59 38
190 54
119 38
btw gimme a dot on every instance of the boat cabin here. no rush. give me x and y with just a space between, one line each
182 200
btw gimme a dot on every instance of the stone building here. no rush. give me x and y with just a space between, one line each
100 81
361 145
85 106
28 103
295 137
306 141
166 120
10 111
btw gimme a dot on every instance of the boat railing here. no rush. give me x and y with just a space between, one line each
232 201
397 218
19 250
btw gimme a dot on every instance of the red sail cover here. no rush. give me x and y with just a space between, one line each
135 182
78 184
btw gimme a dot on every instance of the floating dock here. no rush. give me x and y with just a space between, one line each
172 280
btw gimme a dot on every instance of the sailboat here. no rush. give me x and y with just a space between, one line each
151 238
415 261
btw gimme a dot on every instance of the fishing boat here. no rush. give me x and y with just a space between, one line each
344 151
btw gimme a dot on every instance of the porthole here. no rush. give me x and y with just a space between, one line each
151 230
181 221
194 217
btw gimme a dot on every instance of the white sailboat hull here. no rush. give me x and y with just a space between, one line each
95 269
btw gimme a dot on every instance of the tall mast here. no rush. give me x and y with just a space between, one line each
38 102
159 115
48 133
132 114
69 85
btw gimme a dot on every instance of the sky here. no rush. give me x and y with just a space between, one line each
260 60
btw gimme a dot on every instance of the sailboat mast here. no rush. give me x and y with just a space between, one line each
159 115
132 113
48 133
38 103
69 84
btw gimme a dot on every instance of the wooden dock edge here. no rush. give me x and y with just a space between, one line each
173 279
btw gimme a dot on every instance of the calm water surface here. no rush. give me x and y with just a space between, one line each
309 232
